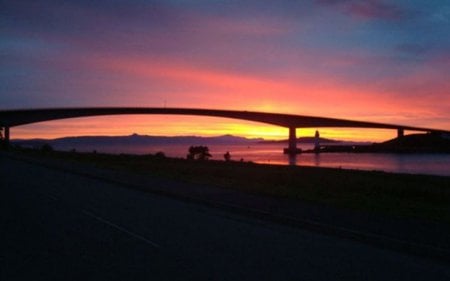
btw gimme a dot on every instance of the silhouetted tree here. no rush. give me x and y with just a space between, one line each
227 156
198 153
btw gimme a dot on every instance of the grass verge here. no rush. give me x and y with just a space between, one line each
400 195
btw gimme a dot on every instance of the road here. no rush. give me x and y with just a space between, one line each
60 226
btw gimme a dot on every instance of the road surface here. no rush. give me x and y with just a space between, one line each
60 226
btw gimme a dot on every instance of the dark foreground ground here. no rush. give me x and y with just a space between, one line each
57 225
395 195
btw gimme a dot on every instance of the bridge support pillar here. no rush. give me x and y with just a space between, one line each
400 133
292 148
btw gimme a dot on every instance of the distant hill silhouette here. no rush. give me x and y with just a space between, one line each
425 143
416 143
136 139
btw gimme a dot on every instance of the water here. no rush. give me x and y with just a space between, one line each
433 164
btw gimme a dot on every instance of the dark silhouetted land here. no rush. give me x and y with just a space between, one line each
415 143
61 225
403 195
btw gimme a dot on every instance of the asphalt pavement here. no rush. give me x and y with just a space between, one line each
57 225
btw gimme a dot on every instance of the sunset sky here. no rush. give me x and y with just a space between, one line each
375 60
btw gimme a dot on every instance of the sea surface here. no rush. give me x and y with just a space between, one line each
420 163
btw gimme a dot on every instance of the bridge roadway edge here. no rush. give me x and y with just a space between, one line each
266 212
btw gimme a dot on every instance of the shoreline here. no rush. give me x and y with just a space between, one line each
393 162
400 195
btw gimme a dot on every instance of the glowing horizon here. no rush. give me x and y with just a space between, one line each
176 125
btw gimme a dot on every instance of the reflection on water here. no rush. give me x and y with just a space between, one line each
317 159
436 164
292 160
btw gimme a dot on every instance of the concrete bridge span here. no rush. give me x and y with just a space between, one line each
17 117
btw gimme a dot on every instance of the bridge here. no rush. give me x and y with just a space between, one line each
18 117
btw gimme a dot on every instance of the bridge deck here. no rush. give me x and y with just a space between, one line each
17 117
12 118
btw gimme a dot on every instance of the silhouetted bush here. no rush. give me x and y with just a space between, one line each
46 148
160 155
198 153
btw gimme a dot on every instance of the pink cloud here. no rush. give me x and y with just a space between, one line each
309 94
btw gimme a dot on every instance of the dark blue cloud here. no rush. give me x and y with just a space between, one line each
412 49
370 9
